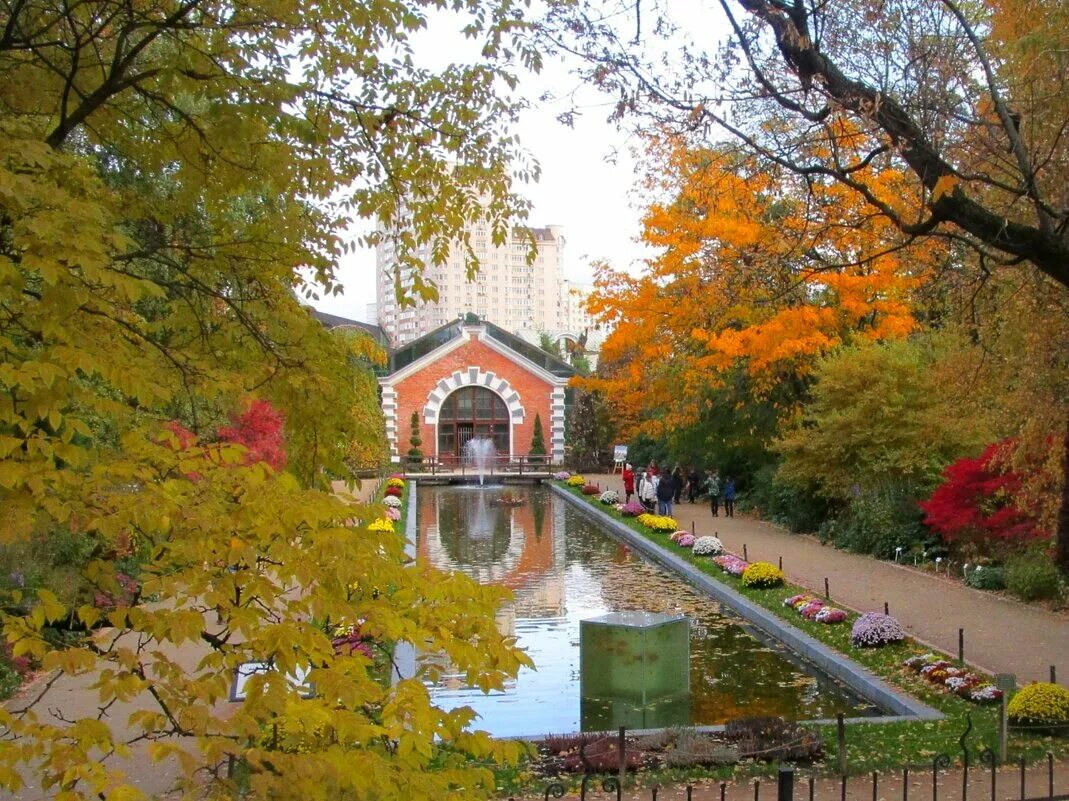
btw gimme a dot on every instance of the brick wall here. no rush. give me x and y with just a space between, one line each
412 393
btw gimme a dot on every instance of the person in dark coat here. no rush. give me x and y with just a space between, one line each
666 491
677 482
729 497
693 485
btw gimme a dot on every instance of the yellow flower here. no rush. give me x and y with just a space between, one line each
762 574
395 482
381 524
1039 704
576 481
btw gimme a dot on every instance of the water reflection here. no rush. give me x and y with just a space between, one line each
562 569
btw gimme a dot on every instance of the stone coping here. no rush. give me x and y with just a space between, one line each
826 659
404 653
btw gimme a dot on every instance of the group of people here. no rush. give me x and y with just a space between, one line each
663 490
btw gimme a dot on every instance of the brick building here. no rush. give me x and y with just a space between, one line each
472 379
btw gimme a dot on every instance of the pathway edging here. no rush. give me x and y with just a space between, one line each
825 658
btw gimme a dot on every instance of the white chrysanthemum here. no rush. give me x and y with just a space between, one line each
708 546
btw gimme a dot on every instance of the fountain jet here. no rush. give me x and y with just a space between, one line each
479 453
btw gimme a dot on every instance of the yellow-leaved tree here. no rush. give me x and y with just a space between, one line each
169 171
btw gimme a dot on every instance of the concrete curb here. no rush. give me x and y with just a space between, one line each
824 658
404 653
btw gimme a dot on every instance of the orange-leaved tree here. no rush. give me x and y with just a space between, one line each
757 271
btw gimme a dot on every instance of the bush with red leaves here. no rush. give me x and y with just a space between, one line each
259 428
975 503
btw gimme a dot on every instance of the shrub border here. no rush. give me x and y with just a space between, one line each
825 658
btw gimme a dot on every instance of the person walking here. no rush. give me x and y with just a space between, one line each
712 488
729 497
693 482
647 491
666 491
629 483
677 483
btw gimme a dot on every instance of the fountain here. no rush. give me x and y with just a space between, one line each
479 453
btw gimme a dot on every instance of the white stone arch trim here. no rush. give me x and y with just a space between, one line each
473 377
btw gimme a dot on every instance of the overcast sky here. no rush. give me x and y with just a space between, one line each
587 183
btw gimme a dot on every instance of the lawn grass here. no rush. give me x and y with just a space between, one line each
872 746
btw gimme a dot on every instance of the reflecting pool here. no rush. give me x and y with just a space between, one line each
563 569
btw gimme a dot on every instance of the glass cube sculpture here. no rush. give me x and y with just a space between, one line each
637 664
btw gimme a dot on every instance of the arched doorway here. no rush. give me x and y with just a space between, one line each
472 412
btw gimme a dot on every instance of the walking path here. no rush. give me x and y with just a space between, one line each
1001 635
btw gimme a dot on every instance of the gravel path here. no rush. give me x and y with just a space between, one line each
1001 635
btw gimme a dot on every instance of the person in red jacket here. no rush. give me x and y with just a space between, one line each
629 483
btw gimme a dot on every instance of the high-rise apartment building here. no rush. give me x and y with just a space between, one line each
507 290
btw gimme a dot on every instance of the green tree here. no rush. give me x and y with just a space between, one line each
170 174
538 441
547 343
589 431
878 416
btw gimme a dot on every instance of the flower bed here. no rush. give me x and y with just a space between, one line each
393 513
563 475
392 500
730 563
877 747
394 481
394 492
812 608
575 481
632 509
381 524
1040 704
957 680
708 546
657 522
873 630
762 575
591 489
609 497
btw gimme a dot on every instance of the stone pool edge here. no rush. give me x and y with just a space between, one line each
404 653
823 657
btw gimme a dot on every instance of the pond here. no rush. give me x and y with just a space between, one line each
562 569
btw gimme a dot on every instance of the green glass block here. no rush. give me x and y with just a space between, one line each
637 658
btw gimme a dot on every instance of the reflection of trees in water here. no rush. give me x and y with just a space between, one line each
538 501
471 531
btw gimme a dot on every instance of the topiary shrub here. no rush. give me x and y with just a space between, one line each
1041 704
538 442
415 455
987 578
762 575
1032 577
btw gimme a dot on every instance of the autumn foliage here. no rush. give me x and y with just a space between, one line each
754 271
977 502
260 429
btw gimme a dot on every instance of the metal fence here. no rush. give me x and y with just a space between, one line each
982 781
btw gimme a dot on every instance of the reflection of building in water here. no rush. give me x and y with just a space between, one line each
514 547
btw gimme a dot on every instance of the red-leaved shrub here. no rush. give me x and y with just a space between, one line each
259 429
976 503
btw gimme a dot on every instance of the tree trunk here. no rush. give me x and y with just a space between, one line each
1061 534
